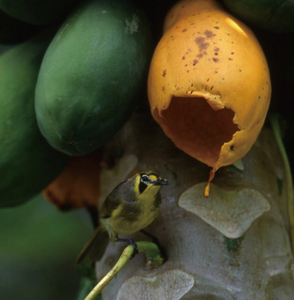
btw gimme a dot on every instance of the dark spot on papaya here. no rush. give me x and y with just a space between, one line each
183 57
200 55
184 30
209 34
232 53
163 88
230 58
195 61
200 41
164 73
188 71
216 49
232 148
215 53
186 65
216 27
215 59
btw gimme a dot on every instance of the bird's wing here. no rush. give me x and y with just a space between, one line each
111 202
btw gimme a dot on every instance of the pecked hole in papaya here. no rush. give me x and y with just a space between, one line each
196 128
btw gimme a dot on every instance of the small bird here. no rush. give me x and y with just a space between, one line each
129 208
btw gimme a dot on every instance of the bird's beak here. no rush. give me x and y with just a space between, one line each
161 181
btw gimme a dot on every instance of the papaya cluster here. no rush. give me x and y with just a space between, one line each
73 71
69 80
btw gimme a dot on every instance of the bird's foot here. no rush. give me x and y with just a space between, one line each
136 251
132 243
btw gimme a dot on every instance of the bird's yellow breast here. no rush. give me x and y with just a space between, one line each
144 213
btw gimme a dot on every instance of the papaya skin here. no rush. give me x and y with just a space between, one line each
37 12
14 31
206 55
92 74
27 163
270 15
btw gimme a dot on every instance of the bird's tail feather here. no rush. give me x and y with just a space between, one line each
95 247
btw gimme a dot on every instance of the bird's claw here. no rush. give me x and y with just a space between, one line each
134 245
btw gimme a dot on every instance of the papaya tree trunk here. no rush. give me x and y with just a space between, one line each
233 245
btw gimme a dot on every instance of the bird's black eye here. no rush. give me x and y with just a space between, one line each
145 178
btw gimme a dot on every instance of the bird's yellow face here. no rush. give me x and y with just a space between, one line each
147 184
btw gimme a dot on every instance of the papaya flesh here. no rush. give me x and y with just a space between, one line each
92 74
27 162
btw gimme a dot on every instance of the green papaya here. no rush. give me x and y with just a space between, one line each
92 74
271 15
38 12
27 162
